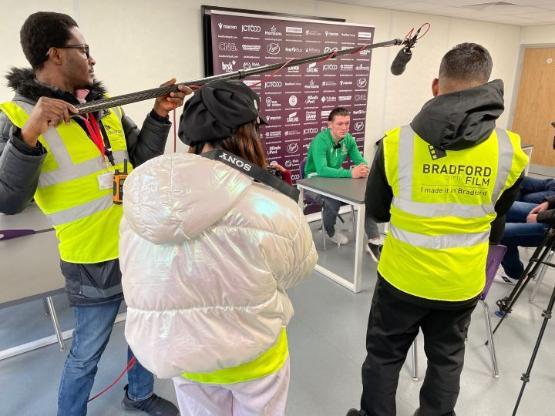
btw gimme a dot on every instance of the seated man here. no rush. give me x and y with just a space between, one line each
325 157
526 226
536 190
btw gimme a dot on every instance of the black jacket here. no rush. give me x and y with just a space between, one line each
20 167
449 122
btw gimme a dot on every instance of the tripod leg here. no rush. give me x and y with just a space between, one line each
526 376
506 304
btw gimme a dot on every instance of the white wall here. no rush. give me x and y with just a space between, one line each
538 35
139 44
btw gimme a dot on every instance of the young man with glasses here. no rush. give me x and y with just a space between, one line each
66 163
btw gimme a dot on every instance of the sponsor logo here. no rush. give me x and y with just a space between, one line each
271 103
365 35
312 68
325 114
293 118
273 84
346 67
251 48
310 32
272 32
362 82
228 66
289 133
293 49
235 161
288 163
362 67
330 67
251 82
294 29
360 97
310 116
311 99
292 84
358 112
228 27
347 35
274 149
251 28
295 177
292 147
227 47
293 100
329 99
311 85
345 97
312 130
345 83
329 84
248 65
331 34
312 49
293 69
364 52
359 125
273 134
273 118
227 37
273 48
329 49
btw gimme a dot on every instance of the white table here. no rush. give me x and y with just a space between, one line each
350 191
30 269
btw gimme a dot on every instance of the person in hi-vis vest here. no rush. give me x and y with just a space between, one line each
66 163
444 182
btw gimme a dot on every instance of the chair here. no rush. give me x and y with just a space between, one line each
495 255
309 200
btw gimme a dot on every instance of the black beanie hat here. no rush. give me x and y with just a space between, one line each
217 110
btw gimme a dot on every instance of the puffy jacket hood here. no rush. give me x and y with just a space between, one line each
461 119
166 206
27 88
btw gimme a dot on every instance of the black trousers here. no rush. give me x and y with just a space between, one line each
392 326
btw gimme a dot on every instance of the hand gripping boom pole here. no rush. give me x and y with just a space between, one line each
161 91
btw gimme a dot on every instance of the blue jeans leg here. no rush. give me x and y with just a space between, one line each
141 381
93 326
523 235
536 190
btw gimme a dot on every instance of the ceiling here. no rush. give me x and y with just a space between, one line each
513 12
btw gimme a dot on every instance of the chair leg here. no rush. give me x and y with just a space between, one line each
322 227
491 345
540 277
353 221
414 356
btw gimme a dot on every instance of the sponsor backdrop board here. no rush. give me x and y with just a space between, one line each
296 100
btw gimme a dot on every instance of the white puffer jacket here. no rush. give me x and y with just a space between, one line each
206 255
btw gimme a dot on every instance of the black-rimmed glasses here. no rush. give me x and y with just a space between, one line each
83 47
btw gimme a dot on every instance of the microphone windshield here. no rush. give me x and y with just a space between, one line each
400 62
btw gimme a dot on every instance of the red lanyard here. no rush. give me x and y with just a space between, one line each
94 131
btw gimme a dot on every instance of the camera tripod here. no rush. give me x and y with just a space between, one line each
537 260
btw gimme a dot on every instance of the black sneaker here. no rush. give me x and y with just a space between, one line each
154 405
374 250
355 412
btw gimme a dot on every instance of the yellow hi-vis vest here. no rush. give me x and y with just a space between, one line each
68 193
269 362
441 213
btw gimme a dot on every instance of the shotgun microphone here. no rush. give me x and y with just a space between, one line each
400 62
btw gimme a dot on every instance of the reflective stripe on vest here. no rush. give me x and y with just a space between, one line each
269 362
68 193
441 212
